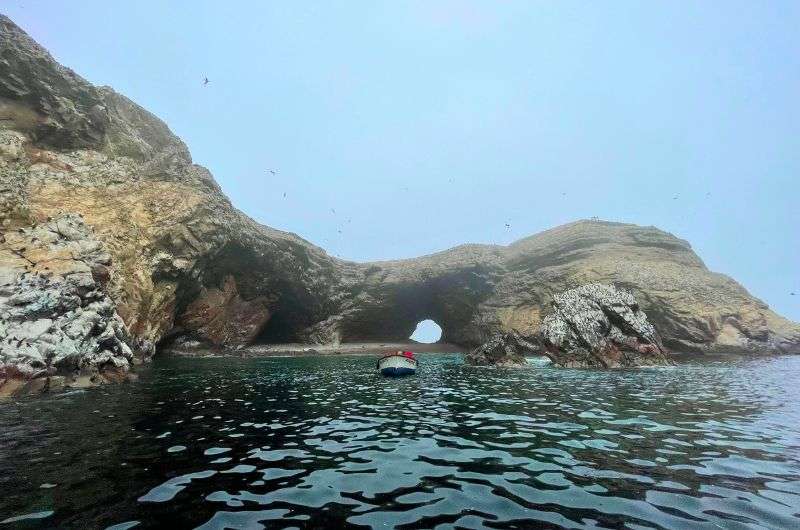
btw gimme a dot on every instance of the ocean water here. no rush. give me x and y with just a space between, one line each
324 442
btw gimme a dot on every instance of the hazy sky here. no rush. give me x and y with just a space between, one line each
428 124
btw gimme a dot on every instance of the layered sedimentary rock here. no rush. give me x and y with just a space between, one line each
185 263
600 326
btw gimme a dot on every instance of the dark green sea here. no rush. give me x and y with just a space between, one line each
324 442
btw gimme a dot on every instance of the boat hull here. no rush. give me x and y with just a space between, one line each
397 366
397 372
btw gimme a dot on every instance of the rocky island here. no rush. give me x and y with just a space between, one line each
114 243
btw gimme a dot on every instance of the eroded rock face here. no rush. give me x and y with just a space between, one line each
55 316
183 260
600 326
220 317
504 349
176 243
50 103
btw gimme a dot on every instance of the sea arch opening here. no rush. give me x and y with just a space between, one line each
427 332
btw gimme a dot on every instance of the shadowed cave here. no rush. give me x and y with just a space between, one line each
387 304
281 328
391 312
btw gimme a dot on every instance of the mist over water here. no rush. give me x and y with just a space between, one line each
325 442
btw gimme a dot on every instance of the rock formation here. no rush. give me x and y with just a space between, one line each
184 263
504 349
599 326
55 317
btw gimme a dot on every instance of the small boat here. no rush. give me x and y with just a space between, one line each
397 364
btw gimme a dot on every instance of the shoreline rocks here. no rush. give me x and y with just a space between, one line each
591 326
600 326
57 324
503 349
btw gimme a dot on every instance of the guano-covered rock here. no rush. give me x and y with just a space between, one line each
600 326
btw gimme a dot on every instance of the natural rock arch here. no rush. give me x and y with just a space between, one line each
427 332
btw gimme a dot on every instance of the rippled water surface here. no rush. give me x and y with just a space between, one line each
324 442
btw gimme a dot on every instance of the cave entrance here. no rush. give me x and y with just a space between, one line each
280 329
427 332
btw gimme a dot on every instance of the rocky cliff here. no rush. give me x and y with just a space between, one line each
183 262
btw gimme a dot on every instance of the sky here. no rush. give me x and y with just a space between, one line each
428 124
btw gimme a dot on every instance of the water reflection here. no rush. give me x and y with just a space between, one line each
316 442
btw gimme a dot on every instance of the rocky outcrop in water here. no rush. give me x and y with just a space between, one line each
184 263
57 323
591 326
600 326
504 349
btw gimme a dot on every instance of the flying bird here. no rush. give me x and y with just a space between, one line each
205 81
284 194
793 294
508 225
272 171
333 210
